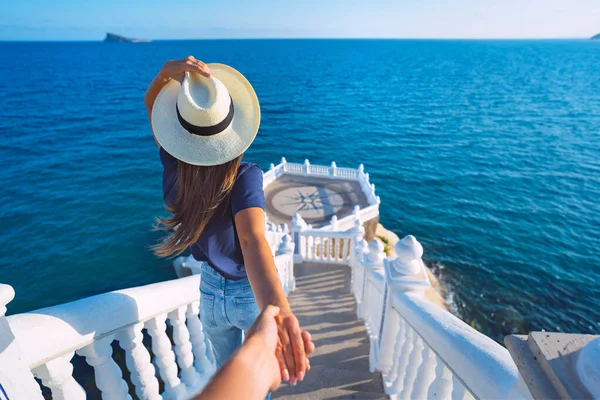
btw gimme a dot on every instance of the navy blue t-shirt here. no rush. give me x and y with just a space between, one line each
219 245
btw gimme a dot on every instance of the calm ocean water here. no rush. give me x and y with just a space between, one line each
487 151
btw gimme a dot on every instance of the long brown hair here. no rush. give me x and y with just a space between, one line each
200 191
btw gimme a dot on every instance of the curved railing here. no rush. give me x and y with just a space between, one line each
42 343
331 172
422 350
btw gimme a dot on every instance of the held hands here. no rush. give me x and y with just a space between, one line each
176 69
268 329
294 345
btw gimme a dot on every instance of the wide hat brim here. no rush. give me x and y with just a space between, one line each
208 150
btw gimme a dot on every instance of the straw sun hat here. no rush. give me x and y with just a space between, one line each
206 121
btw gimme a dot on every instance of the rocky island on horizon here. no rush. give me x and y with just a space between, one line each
114 38
596 37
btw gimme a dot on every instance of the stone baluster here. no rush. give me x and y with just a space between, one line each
333 169
390 345
425 373
138 362
405 352
414 361
199 348
57 375
391 372
284 164
287 247
441 387
344 249
16 378
271 167
311 246
334 223
165 358
358 274
297 226
372 260
109 378
356 212
183 346
361 168
306 167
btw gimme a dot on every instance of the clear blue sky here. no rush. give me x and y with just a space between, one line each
153 19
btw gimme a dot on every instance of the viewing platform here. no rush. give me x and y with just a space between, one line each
377 335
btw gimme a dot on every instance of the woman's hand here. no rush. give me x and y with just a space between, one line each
294 346
176 69
173 69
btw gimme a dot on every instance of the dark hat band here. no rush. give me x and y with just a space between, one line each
207 130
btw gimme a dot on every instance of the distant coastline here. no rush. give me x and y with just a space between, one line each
597 37
114 38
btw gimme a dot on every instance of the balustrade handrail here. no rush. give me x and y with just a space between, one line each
327 234
484 367
53 331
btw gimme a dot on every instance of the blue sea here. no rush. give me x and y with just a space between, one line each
487 151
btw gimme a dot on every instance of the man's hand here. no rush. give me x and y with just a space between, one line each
263 334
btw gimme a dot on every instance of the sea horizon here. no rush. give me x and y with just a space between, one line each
311 38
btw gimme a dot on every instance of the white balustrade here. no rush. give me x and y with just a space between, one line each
137 359
57 375
324 246
164 356
183 346
422 350
109 378
15 376
333 172
203 363
51 335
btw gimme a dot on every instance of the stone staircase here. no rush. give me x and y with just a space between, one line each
340 365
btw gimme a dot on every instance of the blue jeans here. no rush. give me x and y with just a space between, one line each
227 308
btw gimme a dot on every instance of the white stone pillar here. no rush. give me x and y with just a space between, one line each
15 377
306 167
297 226
333 169
287 247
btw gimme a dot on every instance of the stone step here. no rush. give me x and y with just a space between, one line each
340 364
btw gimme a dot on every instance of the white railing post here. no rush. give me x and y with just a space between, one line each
333 169
407 271
287 247
15 377
334 223
371 312
306 167
297 226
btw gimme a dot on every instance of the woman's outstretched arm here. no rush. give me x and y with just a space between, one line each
262 273
174 69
